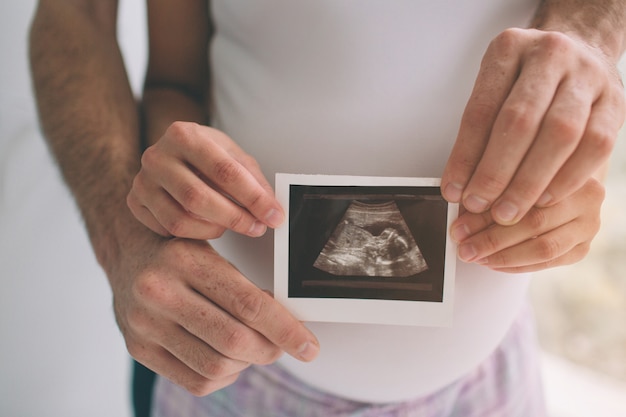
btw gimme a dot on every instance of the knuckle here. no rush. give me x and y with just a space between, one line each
491 242
143 286
580 251
136 350
479 110
523 191
137 185
566 131
248 160
150 157
597 190
142 353
595 226
175 227
198 386
617 99
498 258
603 140
287 335
206 387
249 306
141 185
215 368
214 231
458 172
255 199
237 220
575 255
132 201
507 40
226 171
492 183
536 219
183 136
193 198
137 321
548 248
235 339
464 164
153 291
180 132
208 231
556 41
518 115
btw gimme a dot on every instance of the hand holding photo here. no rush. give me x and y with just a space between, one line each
365 250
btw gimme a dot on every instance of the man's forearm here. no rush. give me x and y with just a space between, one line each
602 23
87 111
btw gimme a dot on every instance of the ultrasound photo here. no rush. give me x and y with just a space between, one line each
372 239
361 239
367 242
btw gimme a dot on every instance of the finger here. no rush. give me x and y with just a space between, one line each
560 134
571 257
190 306
468 224
177 221
542 249
607 116
495 79
156 209
164 363
513 133
200 357
259 311
254 168
497 238
144 215
225 334
196 197
220 164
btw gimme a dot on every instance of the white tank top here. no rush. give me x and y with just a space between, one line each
363 87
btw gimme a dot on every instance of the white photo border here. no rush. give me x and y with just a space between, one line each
356 310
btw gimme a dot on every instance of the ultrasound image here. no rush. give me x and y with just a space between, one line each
372 239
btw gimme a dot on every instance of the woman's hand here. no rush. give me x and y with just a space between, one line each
545 237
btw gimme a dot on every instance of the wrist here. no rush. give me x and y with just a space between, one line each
599 27
114 233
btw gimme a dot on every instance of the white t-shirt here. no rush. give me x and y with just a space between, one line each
363 87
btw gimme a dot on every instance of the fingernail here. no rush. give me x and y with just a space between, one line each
544 200
460 232
453 192
475 204
467 252
274 218
505 211
308 351
257 229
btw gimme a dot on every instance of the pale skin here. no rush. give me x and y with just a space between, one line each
185 311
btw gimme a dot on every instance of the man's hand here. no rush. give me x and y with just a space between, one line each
190 316
195 182
545 237
542 119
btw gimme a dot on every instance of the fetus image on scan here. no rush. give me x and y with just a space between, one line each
372 239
